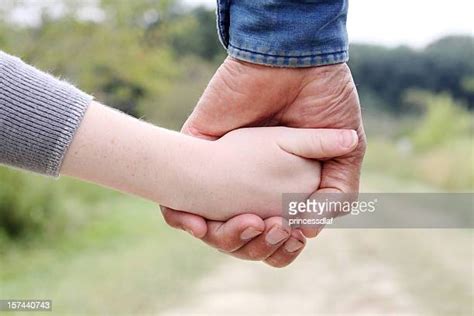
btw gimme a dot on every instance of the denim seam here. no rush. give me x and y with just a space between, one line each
221 27
317 58
293 54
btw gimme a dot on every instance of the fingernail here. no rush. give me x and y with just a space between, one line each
276 235
249 233
298 235
348 138
293 245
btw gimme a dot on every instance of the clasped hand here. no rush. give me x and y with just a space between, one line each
242 95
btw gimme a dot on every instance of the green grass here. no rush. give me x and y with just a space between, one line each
124 260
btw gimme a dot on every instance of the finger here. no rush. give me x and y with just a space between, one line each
313 231
193 224
287 253
343 173
318 143
234 233
276 234
345 189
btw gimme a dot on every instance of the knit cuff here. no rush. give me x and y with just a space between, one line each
39 116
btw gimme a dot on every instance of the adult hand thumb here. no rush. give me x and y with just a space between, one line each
318 143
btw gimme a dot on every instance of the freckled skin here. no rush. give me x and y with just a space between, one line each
246 169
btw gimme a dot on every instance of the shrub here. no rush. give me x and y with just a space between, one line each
27 204
444 121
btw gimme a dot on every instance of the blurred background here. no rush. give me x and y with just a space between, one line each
93 251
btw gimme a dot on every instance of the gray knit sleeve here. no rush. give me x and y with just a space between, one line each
39 116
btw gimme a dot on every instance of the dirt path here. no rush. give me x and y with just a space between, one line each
349 272
345 271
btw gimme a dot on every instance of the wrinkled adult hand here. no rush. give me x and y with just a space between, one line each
243 94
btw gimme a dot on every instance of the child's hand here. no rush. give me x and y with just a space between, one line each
248 170
245 171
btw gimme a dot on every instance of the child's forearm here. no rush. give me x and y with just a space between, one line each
121 152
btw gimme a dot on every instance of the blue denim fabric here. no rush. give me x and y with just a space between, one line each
285 33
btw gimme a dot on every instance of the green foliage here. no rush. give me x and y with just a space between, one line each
437 150
27 204
35 208
445 167
451 60
444 121
193 34
177 103
120 77
442 66
468 84
129 60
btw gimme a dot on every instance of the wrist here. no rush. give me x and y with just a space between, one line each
318 36
118 151
200 176
186 167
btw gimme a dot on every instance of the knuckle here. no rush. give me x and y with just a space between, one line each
169 218
318 144
255 255
277 263
225 246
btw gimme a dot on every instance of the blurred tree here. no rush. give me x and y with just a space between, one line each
108 59
445 65
451 60
444 120
468 84
27 205
195 34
